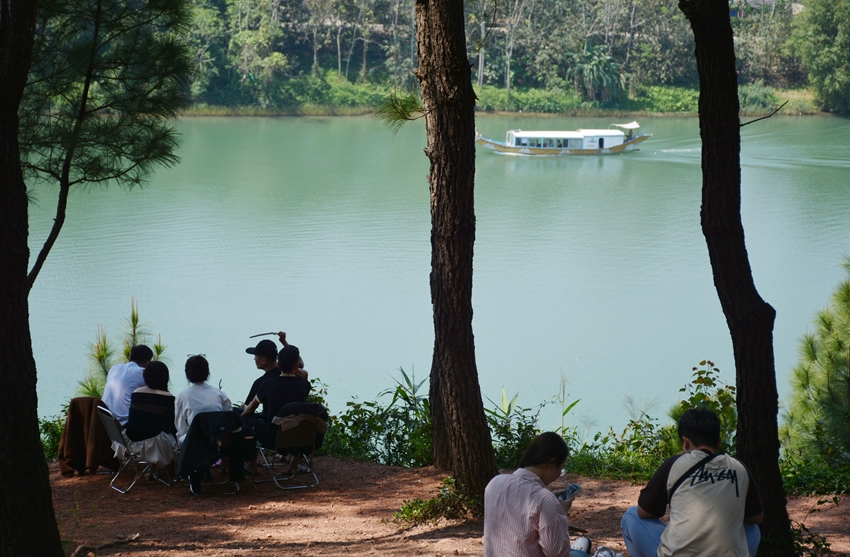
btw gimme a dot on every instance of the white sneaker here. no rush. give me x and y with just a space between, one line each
582 543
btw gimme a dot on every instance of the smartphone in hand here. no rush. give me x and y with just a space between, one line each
570 492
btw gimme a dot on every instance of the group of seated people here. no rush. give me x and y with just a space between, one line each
157 423
715 507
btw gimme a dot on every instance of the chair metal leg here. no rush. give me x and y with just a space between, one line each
157 478
278 477
138 474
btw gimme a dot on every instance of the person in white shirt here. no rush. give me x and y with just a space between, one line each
522 518
198 397
123 379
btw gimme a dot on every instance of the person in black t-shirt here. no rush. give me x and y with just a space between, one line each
265 358
274 393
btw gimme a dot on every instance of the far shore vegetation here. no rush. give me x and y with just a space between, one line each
568 57
336 97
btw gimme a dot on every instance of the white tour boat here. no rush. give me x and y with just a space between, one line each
580 142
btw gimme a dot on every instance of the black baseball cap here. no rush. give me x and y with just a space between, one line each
264 348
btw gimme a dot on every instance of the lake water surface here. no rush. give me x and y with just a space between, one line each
592 269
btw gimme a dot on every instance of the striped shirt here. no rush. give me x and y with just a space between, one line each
522 518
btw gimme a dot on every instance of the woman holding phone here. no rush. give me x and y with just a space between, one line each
522 518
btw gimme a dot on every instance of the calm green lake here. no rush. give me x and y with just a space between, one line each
592 269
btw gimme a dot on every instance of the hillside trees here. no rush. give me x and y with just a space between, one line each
760 38
749 318
821 38
255 54
265 47
207 48
663 46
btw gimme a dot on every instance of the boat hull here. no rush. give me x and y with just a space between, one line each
503 149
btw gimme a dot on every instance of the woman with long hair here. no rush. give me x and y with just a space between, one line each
150 426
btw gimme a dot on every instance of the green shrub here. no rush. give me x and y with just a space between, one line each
448 503
705 391
634 454
757 98
663 98
492 99
512 428
50 430
812 475
397 434
644 444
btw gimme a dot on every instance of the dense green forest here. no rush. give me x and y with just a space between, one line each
573 54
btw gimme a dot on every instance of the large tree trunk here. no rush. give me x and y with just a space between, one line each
27 522
749 317
448 104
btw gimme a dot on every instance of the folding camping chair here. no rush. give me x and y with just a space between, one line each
296 435
210 435
129 458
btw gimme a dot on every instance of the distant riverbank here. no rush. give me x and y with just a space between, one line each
361 99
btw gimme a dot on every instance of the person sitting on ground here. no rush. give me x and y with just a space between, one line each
150 426
123 379
198 397
714 503
521 517
274 393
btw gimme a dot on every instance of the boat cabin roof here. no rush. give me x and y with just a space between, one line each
567 135
633 125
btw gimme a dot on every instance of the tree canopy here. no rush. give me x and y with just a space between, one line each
821 39
254 52
107 79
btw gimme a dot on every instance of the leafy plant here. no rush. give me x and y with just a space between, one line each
596 75
643 445
634 454
810 474
319 393
706 391
51 429
102 353
448 502
396 434
757 97
512 429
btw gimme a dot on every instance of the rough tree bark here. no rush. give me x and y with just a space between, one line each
27 522
749 317
461 436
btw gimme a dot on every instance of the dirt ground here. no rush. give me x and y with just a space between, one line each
349 513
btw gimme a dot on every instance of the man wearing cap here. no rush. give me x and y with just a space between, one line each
265 358
274 393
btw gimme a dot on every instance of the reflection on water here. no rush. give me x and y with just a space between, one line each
588 268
